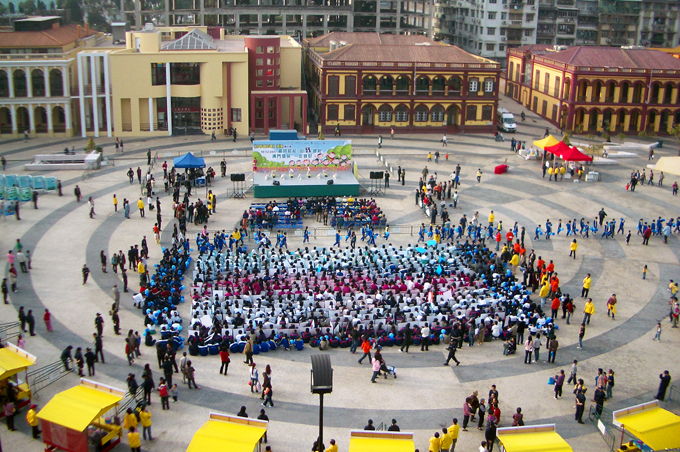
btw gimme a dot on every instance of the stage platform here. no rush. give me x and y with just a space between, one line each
345 184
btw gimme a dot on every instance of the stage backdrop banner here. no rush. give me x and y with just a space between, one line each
303 154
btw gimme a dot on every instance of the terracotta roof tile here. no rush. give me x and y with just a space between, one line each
55 37
439 53
368 38
615 57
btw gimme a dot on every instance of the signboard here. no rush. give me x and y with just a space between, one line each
38 182
25 181
319 154
26 194
11 180
50 183
12 193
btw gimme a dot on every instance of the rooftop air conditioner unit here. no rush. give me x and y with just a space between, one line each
333 45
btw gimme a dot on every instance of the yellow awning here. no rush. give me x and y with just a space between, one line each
78 407
228 433
361 441
13 360
654 426
545 142
540 438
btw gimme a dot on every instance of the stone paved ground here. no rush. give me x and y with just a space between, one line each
426 395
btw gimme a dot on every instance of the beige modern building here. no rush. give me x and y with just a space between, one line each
38 76
202 84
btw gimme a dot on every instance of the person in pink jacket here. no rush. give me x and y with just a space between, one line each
376 369
467 412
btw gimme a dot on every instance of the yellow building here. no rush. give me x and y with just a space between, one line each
597 89
38 76
203 84
372 83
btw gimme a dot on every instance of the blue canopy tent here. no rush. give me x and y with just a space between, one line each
189 161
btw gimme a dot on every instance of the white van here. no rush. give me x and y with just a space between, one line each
505 120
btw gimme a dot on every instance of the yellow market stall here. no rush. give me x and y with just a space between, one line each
14 361
228 433
75 419
365 441
657 428
534 438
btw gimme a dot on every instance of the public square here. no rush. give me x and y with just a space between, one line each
426 395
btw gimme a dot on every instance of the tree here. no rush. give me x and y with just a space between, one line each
3 9
52 6
76 10
41 6
11 7
567 138
621 136
675 132
97 21
27 7
90 146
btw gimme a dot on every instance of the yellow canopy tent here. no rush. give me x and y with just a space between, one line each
13 360
669 165
363 441
535 438
545 142
228 433
651 424
68 415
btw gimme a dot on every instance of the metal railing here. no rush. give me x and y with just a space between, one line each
130 400
10 330
41 378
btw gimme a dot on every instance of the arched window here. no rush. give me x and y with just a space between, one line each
403 85
386 84
455 84
438 84
368 85
421 113
401 113
385 113
4 84
437 114
423 85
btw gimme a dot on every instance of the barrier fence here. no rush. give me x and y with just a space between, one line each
320 232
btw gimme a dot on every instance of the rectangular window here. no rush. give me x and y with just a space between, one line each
185 74
554 113
530 17
487 111
544 110
474 85
491 31
259 83
504 16
349 113
528 33
546 85
490 47
157 74
501 48
471 113
333 86
259 72
332 112
557 87
535 107
270 82
235 115
511 70
350 86
492 16
270 61
259 49
537 79
258 62
488 86
270 49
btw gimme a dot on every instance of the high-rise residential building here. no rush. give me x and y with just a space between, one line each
487 28
659 23
302 18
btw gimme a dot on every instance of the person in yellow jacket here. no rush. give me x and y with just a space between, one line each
588 310
333 447
32 419
130 420
586 286
492 217
550 172
145 419
543 294
435 443
140 206
572 249
446 439
134 441
514 261
140 268
454 431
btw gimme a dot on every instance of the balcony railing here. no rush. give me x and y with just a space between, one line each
20 92
581 98
38 92
59 128
609 100
637 99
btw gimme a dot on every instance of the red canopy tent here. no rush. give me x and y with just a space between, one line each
568 153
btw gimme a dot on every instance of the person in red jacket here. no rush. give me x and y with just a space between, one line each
508 237
555 306
224 357
366 347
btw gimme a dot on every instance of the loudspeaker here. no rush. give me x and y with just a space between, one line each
329 182
322 374
276 182
238 177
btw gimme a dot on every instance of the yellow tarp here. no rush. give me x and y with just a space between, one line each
13 361
547 141
221 436
534 442
380 445
669 165
656 427
78 407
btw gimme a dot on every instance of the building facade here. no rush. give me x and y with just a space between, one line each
371 83
199 84
38 77
487 28
630 90
301 18
659 23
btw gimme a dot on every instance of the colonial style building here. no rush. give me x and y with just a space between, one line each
37 76
371 83
593 89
